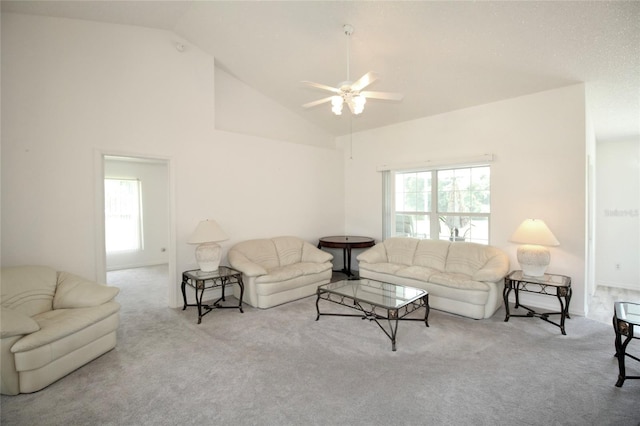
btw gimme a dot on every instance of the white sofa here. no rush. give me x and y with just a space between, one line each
461 278
279 270
51 324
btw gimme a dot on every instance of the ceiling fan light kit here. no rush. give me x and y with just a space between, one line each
351 93
355 103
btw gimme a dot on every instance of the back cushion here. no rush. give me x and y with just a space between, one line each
263 252
431 254
401 250
28 289
289 250
468 258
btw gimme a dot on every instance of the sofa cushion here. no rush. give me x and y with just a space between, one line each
288 272
241 263
376 254
261 252
59 323
272 288
280 274
66 347
28 289
468 296
310 268
467 258
420 273
76 292
432 254
461 281
383 268
312 254
496 267
289 250
401 250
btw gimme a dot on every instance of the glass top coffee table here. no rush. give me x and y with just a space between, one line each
376 301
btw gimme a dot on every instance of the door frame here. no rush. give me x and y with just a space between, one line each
101 254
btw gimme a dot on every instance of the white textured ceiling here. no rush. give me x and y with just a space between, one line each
442 55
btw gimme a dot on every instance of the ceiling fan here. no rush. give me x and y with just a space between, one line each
351 93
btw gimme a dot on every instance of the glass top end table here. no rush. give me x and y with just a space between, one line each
548 284
626 317
202 280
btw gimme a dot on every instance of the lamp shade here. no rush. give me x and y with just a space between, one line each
207 231
534 231
533 256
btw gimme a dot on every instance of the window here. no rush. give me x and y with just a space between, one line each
448 204
123 215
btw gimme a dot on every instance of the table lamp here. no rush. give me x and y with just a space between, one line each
534 256
208 252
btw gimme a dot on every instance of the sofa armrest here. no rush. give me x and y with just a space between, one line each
376 254
313 254
494 270
14 323
73 291
240 262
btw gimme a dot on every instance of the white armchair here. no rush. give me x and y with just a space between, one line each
51 324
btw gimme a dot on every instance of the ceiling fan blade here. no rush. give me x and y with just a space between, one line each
383 95
318 102
322 86
364 81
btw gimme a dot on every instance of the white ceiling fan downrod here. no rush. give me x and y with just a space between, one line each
347 95
348 30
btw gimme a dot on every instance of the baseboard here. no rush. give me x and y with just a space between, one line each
625 286
119 267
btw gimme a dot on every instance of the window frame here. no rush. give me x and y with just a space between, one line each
432 213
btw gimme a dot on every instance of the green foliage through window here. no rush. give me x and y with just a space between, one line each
462 197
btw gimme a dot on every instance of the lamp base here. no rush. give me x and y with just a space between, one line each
208 256
533 260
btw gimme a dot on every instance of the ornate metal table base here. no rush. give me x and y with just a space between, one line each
376 313
624 326
558 285
201 281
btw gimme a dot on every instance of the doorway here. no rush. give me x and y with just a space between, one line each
136 225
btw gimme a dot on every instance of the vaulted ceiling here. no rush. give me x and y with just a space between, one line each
443 56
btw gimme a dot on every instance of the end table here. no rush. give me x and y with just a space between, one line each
550 284
626 316
201 281
346 243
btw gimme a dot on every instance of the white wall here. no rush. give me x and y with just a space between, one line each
154 183
235 101
617 214
73 89
538 142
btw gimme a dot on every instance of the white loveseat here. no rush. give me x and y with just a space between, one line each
279 270
461 278
52 323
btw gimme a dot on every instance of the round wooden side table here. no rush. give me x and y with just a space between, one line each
346 243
